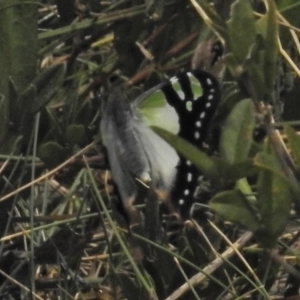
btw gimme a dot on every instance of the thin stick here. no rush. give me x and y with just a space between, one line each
215 264
19 284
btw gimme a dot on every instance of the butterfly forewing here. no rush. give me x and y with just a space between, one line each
134 151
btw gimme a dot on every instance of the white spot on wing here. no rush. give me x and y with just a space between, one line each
180 95
181 202
208 105
202 115
188 163
208 80
186 192
189 177
198 124
197 135
174 79
162 158
189 106
210 97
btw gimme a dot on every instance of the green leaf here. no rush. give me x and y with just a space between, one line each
12 143
18 43
241 30
236 136
264 195
274 196
269 162
294 143
52 153
47 84
20 113
233 206
18 59
25 100
271 50
76 134
190 152
253 79
239 170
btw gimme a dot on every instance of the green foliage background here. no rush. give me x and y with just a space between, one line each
58 60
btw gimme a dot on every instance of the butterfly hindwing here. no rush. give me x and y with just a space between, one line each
194 96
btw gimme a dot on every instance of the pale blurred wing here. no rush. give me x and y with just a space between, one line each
121 175
118 131
162 158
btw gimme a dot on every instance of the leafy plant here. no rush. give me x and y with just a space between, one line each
64 235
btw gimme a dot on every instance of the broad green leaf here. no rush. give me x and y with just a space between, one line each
294 143
239 170
271 50
236 136
12 143
264 195
269 162
20 114
233 206
282 199
47 84
52 153
241 30
18 43
75 134
190 152
254 77
18 59
56 130
232 64
274 196
25 101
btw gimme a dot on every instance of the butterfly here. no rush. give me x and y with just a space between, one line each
184 105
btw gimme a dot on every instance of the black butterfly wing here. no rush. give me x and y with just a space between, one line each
195 112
